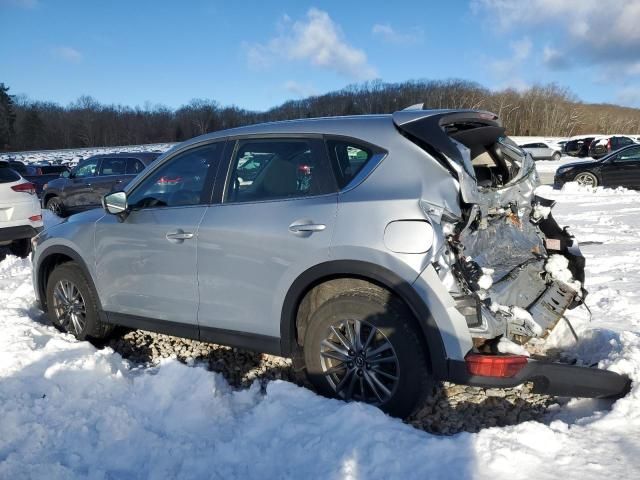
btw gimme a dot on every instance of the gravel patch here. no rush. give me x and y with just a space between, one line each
448 410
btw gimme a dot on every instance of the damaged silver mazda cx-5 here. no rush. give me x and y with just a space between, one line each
381 252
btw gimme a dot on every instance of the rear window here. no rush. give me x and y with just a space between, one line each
347 158
51 169
8 175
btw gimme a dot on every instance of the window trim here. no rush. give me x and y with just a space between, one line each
379 154
318 146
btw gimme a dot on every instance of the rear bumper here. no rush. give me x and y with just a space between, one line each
18 232
550 378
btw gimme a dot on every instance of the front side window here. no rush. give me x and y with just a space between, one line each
178 182
277 169
348 158
86 168
113 166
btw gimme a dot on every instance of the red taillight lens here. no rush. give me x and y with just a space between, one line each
304 169
36 218
495 365
25 187
609 144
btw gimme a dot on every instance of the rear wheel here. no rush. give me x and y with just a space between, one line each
21 248
556 156
72 304
587 179
54 204
362 345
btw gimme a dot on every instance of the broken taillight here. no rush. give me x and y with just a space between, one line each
504 366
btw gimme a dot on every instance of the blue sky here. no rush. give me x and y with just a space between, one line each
258 54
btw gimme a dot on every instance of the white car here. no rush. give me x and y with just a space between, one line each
20 212
542 151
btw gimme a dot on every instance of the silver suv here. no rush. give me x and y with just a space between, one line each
382 253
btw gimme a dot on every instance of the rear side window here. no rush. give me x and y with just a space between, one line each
134 166
272 169
113 166
347 158
7 175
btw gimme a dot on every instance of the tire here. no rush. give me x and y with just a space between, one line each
82 321
556 156
54 204
587 178
21 248
355 376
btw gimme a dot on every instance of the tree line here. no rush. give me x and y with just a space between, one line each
541 110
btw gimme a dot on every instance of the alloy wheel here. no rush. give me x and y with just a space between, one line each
69 307
587 179
360 362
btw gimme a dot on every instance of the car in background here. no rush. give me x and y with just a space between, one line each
604 145
579 146
542 151
618 169
83 187
39 174
20 214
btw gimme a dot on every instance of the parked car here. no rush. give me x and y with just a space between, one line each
38 174
83 187
542 151
372 271
618 169
20 214
578 146
602 146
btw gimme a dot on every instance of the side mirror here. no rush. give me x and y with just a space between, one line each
115 203
65 174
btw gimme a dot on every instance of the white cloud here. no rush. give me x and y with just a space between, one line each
390 35
299 90
67 54
507 71
601 32
316 39
629 96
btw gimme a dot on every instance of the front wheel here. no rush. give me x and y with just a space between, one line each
556 156
363 345
587 179
54 204
72 304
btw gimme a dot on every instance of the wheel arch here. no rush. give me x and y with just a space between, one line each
50 258
368 272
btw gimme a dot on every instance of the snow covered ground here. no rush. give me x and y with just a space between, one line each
69 410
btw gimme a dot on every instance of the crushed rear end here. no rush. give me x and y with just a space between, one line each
512 270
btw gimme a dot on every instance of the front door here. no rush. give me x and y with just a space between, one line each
623 169
276 219
146 261
78 192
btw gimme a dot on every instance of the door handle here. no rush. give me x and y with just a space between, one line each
178 236
306 227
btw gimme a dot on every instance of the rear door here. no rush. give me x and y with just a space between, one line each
111 171
623 169
275 219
